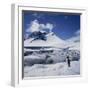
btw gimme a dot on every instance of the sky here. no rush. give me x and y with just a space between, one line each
64 25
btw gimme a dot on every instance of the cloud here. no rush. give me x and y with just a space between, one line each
77 32
36 15
74 42
49 26
36 26
75 38
26 36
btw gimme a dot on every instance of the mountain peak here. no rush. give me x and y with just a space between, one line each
43 38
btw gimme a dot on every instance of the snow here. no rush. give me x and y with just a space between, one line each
34 59
57 69
46 55
52 40
58 55
74 42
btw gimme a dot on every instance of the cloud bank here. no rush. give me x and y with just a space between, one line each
36 26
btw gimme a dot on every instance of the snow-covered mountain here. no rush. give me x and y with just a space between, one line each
44 39
49 39
45 47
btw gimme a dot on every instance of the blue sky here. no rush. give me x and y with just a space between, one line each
65 25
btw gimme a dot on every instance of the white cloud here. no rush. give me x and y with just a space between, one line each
49 26
36 15
26 36
74 42
77 32
33 26
36 26
75 38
